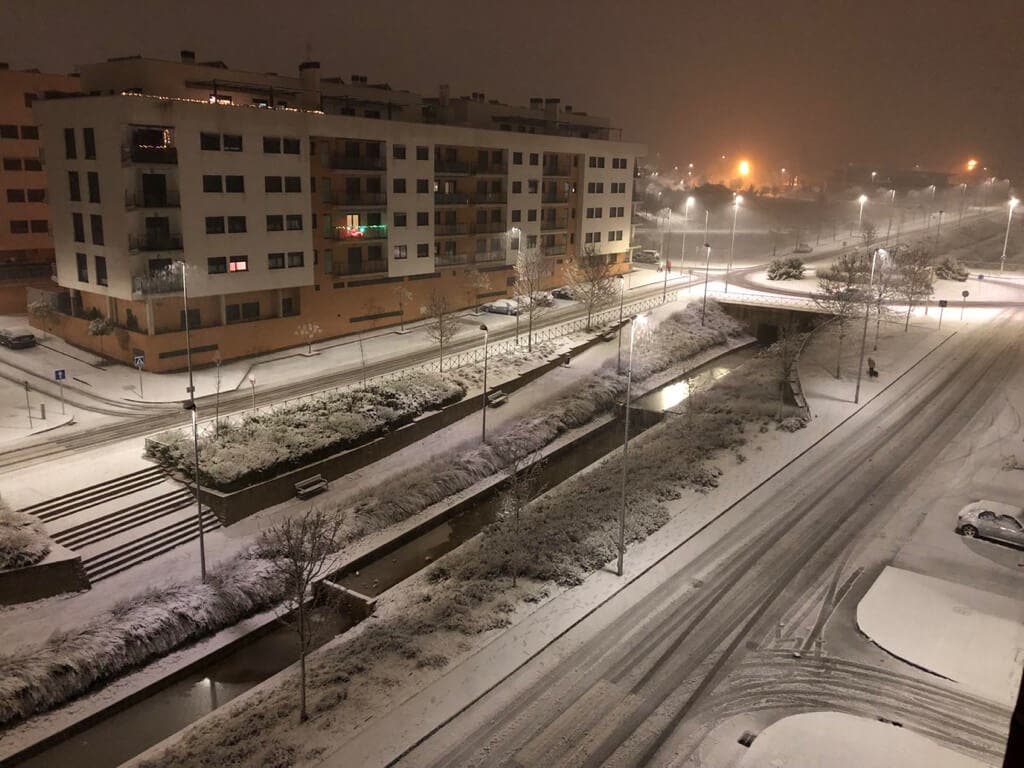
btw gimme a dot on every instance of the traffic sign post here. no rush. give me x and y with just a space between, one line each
140 361
59 375
942 308
963 305
28 405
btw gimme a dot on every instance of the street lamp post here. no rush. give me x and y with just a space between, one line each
483 404
963 200
860 216
252 383
892 210
191 406
732 245
638 320
690 201
864 336
1006 240
622 296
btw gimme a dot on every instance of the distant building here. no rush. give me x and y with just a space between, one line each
298 199
890 178
26 247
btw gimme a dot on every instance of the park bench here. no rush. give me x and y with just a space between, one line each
496 398
310 486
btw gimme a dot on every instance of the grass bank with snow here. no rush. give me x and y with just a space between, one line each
23 540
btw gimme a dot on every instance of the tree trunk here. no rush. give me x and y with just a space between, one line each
782 397
839 351
529 333
303 714
910 309
878 323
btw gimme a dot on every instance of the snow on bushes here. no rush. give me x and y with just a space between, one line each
263 445
678 337
134 632
23 540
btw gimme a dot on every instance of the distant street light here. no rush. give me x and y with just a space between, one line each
1006 240
891 212
640 320
963 200
732 246
860 216
483 404
690 201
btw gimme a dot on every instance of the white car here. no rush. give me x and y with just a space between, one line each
502 307
647 257
992 520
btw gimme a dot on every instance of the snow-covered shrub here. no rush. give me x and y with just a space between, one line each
136 631
790 268
263 445
948 268
23 540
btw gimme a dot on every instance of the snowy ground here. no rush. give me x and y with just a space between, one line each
834 740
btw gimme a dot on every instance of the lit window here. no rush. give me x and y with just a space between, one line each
238 264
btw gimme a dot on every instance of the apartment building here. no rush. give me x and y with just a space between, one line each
285 214
26 247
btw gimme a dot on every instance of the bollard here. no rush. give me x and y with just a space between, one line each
42 411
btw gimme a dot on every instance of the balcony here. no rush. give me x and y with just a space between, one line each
466 259
151 243
553 250
555 198
355 163
149 200
554 225
557 170
359 234
489 198
364 267
135 153
360 199
451 168
488 228
490 169
470 228
159 283
451 198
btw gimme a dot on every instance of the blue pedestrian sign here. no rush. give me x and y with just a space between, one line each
59 374
140 360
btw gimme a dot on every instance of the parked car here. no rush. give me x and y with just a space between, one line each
647 257
17 338
803 248
992 520
565 292
543 299
502 307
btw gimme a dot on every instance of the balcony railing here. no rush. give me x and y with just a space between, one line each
470 228
360 199
490 169
451 168
553 250
355 163
169 199
150 242
365 232
488 227
161 282
364 267
489 198
557 170
133 153
555 198
463 259
548 224
451 198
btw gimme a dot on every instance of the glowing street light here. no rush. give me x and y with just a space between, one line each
638 320
690 202
732 246
860 216
744 168
971 164
1009 219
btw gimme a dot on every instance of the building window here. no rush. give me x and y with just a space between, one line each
216 265
101 270
517 187
215 225
234 184
189 319
398 185
398 151
251 310
78 227
517 215
517 158
89 139
11 132
293 221
12 164
291 146
272 145
35 195
96 225
288 306
212 184
238 264
232 313
400 252
422 153
531 215
209 141
422 250
422 186
236 224
70 150
531 241
40 226
400 219
33 164
275 261
296 259
292 184
232 142
74 188
82 262
532 186
422 219
93 180
534 158
32 132
15 195
19 227
275 223
272 184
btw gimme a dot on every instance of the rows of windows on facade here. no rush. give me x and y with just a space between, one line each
21 193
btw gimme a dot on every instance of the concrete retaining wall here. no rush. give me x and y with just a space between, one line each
59 572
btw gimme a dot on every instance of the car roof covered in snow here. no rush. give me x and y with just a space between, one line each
999 507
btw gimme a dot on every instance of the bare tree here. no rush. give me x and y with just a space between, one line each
402 297
591 281
840 294
442 325
524 479
914 276
533 272
475 282
298 548
43 310
101 326
868 233
308 332
883 286
786 351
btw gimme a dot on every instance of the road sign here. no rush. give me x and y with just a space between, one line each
943 303
140 360
60 374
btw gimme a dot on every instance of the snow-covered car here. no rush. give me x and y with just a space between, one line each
803 248
17 338
565 292
502 307
543 299
647 257
992 520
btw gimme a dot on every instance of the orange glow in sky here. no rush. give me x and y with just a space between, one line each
972 164
744 168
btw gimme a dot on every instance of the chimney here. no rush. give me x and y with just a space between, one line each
309 76
481 96
568 107
442 97
551 108
188 57
536 102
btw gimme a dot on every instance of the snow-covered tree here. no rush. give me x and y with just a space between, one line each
841 294
915 278
43 311
101 326
591 281
442 325
308 332
402 297
524 479
533 270
475 282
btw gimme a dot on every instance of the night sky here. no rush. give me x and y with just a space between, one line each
808 85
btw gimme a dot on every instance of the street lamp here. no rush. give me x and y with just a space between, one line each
864 337
1009 218
963 200
252 383
483 404
732 246
707 266
622 296
640 320
191 406
690 202
892 210
860 216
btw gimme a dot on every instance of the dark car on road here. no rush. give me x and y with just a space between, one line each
17 338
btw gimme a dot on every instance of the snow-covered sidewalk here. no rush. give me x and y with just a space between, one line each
968 635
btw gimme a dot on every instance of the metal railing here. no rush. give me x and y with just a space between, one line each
553 250
548 224
360 199
341 162
161 282
451 198
364 267
169 199
554 198
556 170
459 259
131 153
489 198
150 242
359 234
451 167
